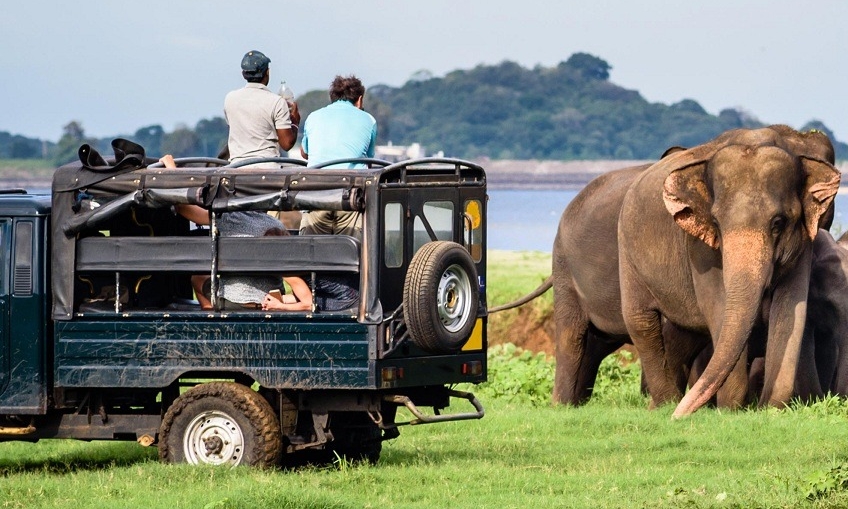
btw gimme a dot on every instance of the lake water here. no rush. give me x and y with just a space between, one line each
527 220
524 220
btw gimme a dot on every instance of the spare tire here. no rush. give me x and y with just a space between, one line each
440 297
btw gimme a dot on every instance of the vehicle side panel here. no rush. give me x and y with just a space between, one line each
135 353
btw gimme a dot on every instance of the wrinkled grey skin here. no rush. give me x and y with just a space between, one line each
824 352
589 324
712 239
823 365
587 301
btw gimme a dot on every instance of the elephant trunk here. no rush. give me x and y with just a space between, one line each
747 268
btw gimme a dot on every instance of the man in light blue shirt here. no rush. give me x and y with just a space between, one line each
341 130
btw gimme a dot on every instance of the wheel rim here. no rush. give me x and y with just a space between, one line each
453 298
213 438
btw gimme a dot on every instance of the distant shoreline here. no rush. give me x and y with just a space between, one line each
500 174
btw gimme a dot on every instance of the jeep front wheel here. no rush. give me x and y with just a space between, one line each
440 297
220 423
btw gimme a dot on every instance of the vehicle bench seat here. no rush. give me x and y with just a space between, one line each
294 254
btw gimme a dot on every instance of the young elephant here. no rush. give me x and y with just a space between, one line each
709 237
823 365
824 354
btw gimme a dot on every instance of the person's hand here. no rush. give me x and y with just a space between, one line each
271 303
294 113
168 161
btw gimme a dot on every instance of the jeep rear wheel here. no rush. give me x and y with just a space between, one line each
440 297
356 437
220 423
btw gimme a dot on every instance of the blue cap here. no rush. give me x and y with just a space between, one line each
255 62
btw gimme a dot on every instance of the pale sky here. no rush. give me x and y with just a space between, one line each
116 66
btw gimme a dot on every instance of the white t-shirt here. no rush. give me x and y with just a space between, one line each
254 114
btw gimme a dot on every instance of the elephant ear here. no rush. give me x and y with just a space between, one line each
821 182
686 195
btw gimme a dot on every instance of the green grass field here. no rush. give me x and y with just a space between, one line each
26 169
523 454
518 456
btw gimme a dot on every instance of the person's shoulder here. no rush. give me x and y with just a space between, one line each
366 117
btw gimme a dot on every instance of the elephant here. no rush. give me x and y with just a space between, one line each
588 319
790 178
587 301
713 239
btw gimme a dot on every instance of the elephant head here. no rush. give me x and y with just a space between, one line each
758 198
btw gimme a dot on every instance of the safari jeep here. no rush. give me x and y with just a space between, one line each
102 338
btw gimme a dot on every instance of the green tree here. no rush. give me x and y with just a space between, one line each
212 135
21 148
182 142
589 66
67 149
150 138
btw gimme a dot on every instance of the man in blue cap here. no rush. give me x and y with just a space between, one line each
261 122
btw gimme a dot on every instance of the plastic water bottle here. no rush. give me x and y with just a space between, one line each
286 92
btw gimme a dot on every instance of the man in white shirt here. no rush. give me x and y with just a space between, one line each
261 122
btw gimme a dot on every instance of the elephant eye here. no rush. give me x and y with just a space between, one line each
778 224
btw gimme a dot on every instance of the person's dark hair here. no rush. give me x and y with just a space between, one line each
348 88
276 232
254 77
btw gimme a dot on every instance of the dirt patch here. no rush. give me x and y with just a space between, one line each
527 327
531 328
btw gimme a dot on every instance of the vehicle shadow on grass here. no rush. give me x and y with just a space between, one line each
63 458
405 457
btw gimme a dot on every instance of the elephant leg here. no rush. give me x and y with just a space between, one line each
597 348
644 325
734 391
807 384
787 317
572 326
683 348
756 373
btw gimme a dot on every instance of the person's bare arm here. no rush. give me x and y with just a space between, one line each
302 297
194 213
288 137
168 161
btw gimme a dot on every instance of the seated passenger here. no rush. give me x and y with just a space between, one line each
255 291
336 292
240 292
333 292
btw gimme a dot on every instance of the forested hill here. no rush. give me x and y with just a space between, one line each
501 112
570 111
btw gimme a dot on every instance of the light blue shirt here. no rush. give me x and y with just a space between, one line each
339 131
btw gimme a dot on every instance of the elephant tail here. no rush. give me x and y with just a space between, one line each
544 287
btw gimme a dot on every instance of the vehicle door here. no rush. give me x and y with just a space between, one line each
411 218
5 251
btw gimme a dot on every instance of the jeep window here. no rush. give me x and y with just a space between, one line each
4 228
23 259
393 234
473 226
436 223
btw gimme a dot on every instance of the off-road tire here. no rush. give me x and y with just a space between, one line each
440 297
355 437
228 416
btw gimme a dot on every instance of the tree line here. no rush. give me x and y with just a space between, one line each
570 111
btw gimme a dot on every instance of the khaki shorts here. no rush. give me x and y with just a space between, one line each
332 222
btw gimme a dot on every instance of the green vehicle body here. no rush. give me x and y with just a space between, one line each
100 335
